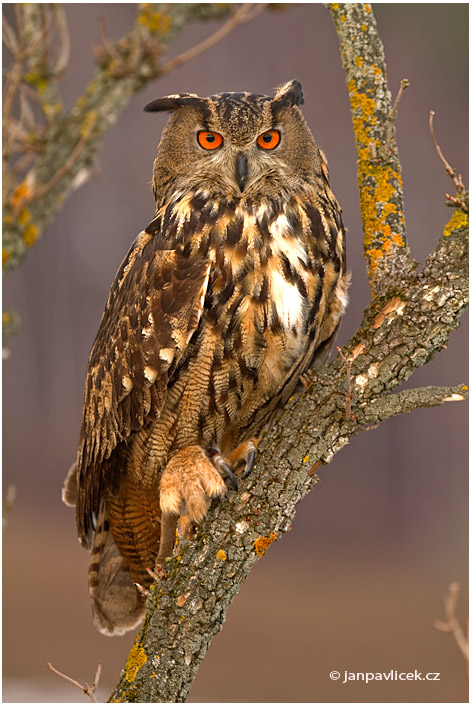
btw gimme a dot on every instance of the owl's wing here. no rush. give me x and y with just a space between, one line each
153 309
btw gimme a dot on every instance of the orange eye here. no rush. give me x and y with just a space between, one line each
209 140
269 140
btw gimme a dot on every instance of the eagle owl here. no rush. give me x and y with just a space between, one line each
230 294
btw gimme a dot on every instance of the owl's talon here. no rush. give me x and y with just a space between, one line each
251 457
223 466
142 590
244 453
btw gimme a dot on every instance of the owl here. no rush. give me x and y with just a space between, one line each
235 288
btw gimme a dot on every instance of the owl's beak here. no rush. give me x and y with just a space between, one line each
241 170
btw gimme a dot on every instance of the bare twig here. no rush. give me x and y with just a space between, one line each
107 45
451 172
347 365
86 688
34 39
156 574
27 119
392 116
306 383
62 62
9 36
12 83
452 624
66 167
459 199
457 202
243 14
19 26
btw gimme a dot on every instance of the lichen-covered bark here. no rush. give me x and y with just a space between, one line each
378 166
408 322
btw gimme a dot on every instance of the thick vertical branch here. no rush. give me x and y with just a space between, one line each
378 166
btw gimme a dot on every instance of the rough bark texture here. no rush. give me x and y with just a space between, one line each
407 323
378 166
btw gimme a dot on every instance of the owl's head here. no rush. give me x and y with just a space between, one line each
234 145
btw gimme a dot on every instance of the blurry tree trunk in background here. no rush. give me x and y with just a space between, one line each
49 152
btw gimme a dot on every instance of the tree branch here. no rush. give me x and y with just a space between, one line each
452 624
378 166
86 688
405 401
242 14
461 198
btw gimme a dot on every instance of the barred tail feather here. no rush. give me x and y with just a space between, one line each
116 604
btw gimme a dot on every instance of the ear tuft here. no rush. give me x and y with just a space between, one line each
288 95
173 102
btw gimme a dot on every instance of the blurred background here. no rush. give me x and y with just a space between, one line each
358 582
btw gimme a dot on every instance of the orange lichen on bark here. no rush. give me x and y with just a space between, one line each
363 118
24 216
136 658
263 543
21 194
458 220
378 181
156 22
378 185
30 234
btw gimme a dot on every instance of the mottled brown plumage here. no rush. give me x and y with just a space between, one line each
223 301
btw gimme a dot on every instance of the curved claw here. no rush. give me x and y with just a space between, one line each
226 468
223 466
251 457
